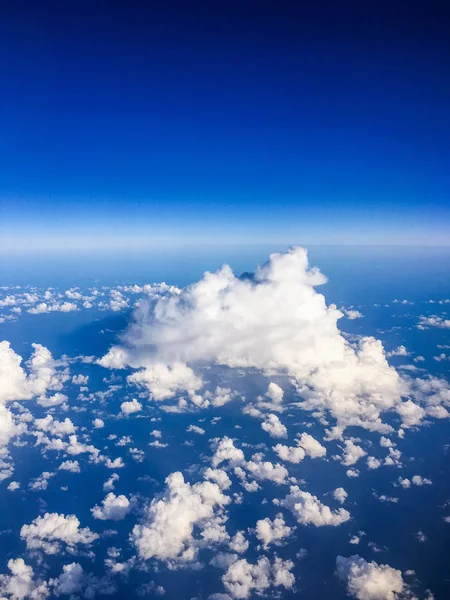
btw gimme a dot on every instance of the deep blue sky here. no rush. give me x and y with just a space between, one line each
224 121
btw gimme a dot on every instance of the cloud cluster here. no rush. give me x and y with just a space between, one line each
50 532
276 322
308 510
243 578
167 529
113 507
369 580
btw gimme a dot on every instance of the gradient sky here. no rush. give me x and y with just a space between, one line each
130 123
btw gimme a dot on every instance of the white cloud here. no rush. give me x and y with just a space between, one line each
50 532
130 407
108 486
43 307
273 426
369 580
16 384
243 578
306 446
426 322
98 423
291 454
13 486
277 323
55 427
308 510
195 429
20 584
238 543
352 453
113 507
74 582
400 351
352 314
80 379
166 531
340 495
311 446
272 532
70 465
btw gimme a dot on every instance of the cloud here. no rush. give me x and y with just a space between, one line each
243 578
17 384
275 322
308 510
272 532
306 446
74 582
70 465
369 580
128 408
352 453
21 583
195 429
273 426
98 423
166 531
50 532
340 495
113 507
427 322
352 314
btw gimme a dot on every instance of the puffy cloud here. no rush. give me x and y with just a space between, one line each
70 465
226 451
410 413
98 423
352 314
238 543
275 393
308 510
426 322
13 486
276 322
80 379
74 582
266 470
243 578
108 486
20 584
219 476
400 351
272 532
41 483
195 429
311 446
352 453
273 426
306 446
340 495
43 307
16 384
50 532
130 407
291 454
369 580
113 507
166 531
55 427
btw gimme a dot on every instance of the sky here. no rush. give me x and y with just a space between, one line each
183 122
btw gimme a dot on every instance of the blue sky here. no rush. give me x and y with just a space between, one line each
229 122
